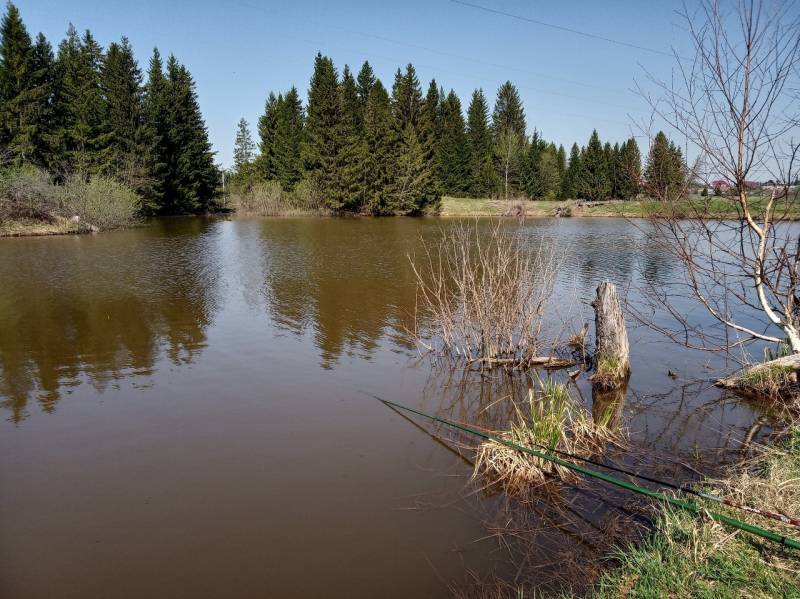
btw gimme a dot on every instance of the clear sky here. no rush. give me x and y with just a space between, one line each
238 51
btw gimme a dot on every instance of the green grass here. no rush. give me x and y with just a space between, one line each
686 556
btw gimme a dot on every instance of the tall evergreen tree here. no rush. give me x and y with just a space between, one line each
530 177
380 143
593 181
80 105
452 152
267 124
510 138
192 175
364 83
17 119
156 113
479 143
41 101
570 182
287 140
414 184
665 171
320 145
351 156
126 152
630 167
243 147
508 113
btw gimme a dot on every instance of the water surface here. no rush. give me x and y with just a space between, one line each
187 413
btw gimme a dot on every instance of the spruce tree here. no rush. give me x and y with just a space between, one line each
548 173
364 83
243 147
414 185
156 114
351 153
479 144
267 124
322 148
17 119
509 135
561 162
43 88
569 184
593 181
508 113
80 106
665 170
192 175
530 177
287 140
380 145
126 152
452 153
630 165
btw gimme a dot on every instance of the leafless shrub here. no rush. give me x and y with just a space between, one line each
735 100
483 295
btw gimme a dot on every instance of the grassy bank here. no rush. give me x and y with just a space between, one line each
686 556
715 207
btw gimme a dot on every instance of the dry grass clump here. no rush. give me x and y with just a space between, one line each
554 421
772 382
482 294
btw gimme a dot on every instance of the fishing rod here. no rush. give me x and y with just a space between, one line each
791 521
684 505
784 519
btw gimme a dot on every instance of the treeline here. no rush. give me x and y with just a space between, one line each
361 148
84 111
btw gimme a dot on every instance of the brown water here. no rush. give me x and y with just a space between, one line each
186 411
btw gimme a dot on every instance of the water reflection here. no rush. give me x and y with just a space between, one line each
101 309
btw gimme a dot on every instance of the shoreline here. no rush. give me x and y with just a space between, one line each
450 208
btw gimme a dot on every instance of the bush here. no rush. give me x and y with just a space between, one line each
101 202
29 194
267 198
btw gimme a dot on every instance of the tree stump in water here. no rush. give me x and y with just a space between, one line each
612 355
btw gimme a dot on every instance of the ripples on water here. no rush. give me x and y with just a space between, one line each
186 407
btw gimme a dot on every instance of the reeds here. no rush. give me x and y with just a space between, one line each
482 294
554 421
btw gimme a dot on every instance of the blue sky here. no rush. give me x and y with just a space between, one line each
239 51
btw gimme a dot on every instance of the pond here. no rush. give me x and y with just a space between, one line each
187 409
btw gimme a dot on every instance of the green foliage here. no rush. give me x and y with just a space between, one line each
322 141
452 151
20 99
29 193
80 106
287 140
126 152
629 170
381 147
569 184
508 113
243 146
665 172
593 181
479 145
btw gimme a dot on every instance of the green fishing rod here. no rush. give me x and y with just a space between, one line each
684 505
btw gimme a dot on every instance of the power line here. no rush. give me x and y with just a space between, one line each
562 28
440 52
